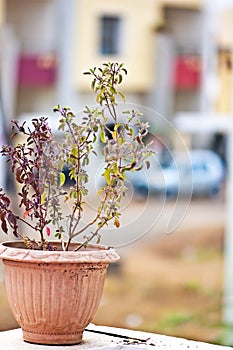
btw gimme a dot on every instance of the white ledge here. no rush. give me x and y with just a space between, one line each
104 338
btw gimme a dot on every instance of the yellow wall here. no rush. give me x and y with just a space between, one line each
224 38
140 18
224 100
2 11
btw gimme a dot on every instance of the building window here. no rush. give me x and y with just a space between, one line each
110 35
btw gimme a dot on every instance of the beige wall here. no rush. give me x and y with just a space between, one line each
182 3
139 22
34 22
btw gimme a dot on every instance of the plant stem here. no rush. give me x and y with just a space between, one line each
27 223
94 234
92 221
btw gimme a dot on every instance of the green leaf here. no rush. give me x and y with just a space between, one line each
56 108
122 176
113 90
105 119
116 126
121 140
103 136
115 168
43 197
100 192
139 168
74 151
122 96
85 162
62 179
72 174
107 175
87 109
58 234
99 98
93 84
131 132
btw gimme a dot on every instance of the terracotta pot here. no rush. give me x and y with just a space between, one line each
54 294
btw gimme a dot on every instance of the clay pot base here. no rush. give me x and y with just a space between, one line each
52 339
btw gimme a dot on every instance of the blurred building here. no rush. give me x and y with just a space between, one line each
47 44
48 35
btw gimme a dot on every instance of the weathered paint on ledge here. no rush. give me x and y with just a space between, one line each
99 337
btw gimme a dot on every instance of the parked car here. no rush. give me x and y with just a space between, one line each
199 172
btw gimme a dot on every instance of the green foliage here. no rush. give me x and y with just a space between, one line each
105 82
175 319
123 150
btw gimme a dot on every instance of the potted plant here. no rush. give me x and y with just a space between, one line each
54 287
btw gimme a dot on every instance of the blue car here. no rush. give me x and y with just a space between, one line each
198 172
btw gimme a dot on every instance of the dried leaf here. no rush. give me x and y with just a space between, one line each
26 213
4 225
117 223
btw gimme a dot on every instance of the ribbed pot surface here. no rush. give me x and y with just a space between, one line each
53 300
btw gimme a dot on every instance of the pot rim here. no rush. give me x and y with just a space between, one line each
14 251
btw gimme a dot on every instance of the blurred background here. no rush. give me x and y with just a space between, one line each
178 54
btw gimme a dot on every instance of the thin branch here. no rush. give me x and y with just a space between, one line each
94 234
92 222
27 223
